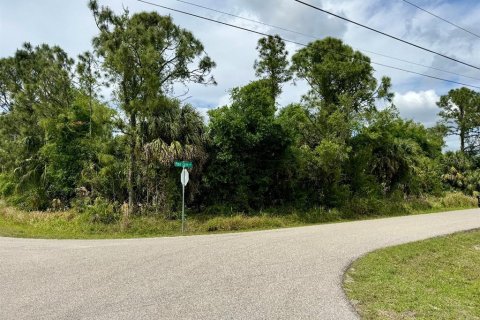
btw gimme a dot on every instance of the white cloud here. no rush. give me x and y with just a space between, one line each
419 106
204 113
224 100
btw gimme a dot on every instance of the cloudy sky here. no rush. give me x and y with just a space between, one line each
70 25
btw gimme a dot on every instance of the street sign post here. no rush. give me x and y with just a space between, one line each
184 177
184 180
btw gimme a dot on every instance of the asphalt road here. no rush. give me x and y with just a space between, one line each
278 274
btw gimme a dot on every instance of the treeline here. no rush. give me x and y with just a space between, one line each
64 145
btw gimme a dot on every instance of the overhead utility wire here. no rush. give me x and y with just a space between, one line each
302 44
216 21
243 18
386 34
418 64
314 37
443 19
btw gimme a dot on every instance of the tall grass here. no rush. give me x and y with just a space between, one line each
72 224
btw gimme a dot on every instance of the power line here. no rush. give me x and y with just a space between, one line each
314 37
216 21
386 34
304 45
443 19
418 64
243 18
424 75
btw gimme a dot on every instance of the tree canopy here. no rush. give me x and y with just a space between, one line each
145 55
461 116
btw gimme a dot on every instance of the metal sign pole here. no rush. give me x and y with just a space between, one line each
183 207
184 177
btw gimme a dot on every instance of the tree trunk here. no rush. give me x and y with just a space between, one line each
462 140
462 129
273 89
91 109
132 165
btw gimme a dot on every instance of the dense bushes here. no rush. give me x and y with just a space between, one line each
103 211
458 200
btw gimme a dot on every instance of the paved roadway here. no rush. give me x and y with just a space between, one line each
277 274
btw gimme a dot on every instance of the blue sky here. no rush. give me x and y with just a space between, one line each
70 25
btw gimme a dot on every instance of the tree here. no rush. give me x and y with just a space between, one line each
342 87
343 90
145 55
88 77
36 86
183 136
338 76
247 149
75 143
297 121
461 116
43 132
273 63
399 154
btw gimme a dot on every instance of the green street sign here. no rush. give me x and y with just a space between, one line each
183 164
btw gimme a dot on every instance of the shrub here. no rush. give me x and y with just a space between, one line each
80 204
358 207
102 211
241 222
420 204
6 186
318 215
32 199
217 209
458 200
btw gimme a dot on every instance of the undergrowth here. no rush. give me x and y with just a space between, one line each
102 221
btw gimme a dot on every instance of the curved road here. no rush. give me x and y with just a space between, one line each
278 274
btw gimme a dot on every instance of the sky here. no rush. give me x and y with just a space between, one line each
69 24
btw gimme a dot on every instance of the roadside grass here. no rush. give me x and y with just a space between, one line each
74 225
432 279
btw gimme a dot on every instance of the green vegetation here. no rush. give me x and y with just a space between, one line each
460 117
341 152
101 220
433 279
